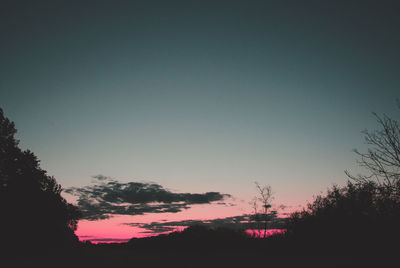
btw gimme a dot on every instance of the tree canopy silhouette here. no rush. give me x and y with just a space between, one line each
32 210
365 213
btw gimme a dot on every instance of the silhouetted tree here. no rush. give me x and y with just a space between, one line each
32 209
262 216
365 214
382 160
354 218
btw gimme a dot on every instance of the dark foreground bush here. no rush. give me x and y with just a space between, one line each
356 218
197 236
34 215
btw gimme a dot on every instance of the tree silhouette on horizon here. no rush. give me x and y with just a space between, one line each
364 215
33 212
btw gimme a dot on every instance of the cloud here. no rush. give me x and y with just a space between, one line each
107 197
236 222
164 226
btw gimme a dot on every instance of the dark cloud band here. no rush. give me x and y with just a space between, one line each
237 222
107 197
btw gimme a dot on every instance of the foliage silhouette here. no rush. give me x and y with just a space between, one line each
33 213
196 236
356 217
363 215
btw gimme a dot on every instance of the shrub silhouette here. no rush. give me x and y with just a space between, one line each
353 218
364 214
196 236
33 213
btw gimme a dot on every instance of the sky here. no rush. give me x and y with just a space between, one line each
197 97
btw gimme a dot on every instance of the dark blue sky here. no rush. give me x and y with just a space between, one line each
199 95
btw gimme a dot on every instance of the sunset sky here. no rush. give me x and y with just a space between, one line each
194 101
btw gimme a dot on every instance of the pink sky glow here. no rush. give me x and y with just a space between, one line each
115 229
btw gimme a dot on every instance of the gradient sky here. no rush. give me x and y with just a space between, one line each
199 96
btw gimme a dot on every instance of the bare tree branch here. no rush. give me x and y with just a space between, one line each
261 217
382 159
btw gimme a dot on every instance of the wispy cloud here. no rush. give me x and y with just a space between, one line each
236 222
107 197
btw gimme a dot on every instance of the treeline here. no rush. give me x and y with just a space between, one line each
361 216
355 219
34 215
364 215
